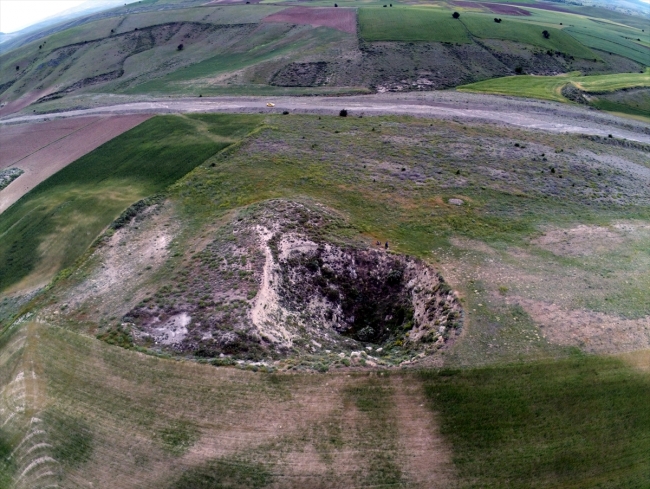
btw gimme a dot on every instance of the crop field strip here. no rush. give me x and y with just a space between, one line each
68 210
549 87
409 24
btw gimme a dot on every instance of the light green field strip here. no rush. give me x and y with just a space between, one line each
410 24
484 27
549 87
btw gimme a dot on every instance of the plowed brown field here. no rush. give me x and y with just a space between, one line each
43 148
337 18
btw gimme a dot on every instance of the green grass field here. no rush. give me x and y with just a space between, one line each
549 87
484 27
579 423
51 226
410 24
606 40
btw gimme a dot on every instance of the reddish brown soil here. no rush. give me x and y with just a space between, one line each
337 18
20 140
51 149
506 9
230 2
462 3
543 6
24 101
494 7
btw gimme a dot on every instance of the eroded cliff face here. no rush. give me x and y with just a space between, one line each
277 281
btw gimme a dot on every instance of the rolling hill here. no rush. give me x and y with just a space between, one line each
206 284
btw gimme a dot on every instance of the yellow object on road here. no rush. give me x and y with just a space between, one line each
270 105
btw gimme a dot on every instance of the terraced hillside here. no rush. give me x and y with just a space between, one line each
192 49
298 273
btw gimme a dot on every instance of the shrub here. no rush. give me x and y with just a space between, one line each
343 113
546 34
180 47
455 15
519 70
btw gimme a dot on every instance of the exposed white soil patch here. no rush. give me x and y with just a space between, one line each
114 277
267 314
173 330
579 240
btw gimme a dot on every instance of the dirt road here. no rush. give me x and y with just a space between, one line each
529 114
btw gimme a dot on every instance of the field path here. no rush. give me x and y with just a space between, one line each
524 113
42 148
427 458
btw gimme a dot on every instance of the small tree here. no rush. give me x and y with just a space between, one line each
455 15
17 68
180 47
546 34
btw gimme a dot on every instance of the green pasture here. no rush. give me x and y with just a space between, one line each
550 87
484 27
51 226
579 423
599 37
410 24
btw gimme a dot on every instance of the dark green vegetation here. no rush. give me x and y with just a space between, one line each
224 474
52 226
424 24
581 422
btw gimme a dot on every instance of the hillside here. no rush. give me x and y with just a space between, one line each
260 268
175 48
255 245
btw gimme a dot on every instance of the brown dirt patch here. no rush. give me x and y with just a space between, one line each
21 140
24 101
638 359
506 9
581 240
337 18
592 331
427 460
55 154
544 6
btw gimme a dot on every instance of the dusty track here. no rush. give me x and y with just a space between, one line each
529 114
